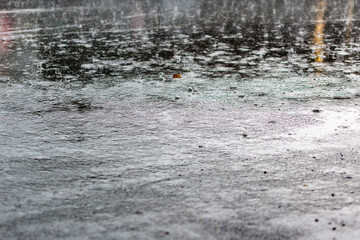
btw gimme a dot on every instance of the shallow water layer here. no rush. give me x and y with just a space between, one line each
99 141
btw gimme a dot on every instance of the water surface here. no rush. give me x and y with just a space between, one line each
97 140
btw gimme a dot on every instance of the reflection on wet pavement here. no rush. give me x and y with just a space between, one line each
4 31
349 19
214 39
319 34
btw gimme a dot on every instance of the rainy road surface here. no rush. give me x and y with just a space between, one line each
257 140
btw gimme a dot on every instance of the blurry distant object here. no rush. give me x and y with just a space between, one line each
176 76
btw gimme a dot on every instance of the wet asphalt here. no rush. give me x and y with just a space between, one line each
256 140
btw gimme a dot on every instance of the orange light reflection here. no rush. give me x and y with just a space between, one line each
319 31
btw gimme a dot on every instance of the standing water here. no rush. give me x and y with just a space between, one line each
258 139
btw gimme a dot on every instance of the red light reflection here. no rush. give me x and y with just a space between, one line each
5 24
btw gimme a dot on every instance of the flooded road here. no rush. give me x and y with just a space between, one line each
257 140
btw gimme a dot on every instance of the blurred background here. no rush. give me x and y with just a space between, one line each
86 40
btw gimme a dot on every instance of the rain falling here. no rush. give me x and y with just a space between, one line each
179 119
